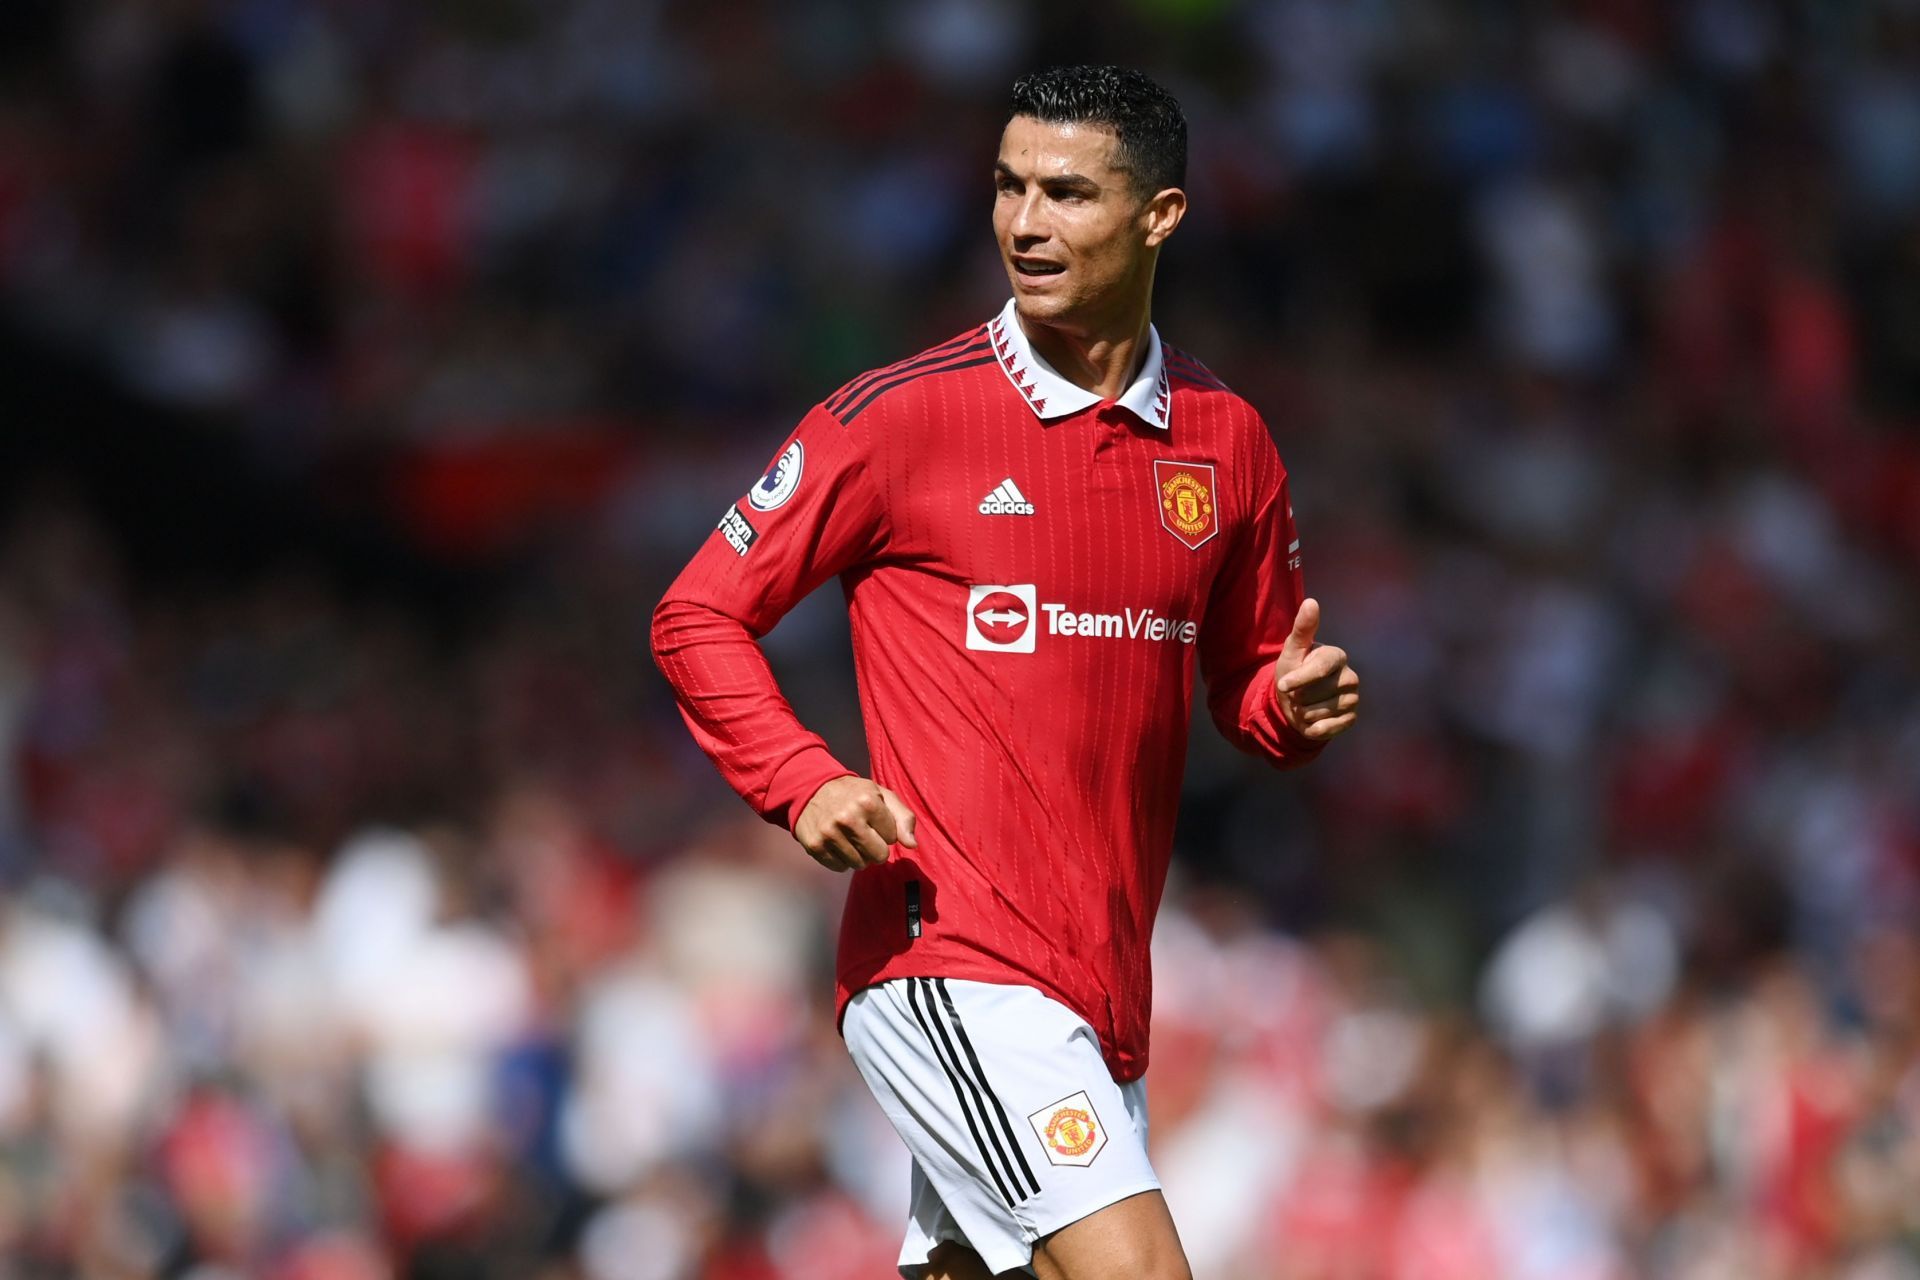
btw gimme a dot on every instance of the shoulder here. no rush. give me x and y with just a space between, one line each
882 387
1203 403
1186 372
1193 382
1198 390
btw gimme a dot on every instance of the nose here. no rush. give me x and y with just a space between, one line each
1028 225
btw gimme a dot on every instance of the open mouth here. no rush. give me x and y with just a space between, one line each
1037 267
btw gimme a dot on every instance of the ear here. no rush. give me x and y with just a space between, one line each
1162 213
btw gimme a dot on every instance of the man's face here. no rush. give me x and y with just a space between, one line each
1072 230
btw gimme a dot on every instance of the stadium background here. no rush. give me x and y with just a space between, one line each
367 367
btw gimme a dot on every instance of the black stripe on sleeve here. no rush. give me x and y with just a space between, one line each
855 384
953 1078
1193 371
966 1043
1198 384
1183 356
933 355
904 378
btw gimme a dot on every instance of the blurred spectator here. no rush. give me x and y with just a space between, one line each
346 934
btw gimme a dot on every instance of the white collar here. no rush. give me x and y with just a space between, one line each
1051 396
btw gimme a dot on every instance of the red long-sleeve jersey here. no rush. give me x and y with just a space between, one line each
1031 573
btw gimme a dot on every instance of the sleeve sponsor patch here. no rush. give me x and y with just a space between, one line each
782 478
735 529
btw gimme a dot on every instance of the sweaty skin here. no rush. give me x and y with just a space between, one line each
1079 244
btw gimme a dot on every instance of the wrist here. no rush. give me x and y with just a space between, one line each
1283 720
795 783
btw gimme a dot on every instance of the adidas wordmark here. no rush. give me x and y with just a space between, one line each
1006 500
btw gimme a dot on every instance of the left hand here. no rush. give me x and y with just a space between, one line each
1319 693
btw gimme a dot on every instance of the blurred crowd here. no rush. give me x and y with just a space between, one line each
343 938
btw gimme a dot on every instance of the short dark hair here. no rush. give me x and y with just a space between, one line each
1145 118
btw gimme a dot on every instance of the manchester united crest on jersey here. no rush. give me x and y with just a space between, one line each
1185 494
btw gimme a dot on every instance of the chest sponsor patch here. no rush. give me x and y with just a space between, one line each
1185 494
735 529
1069 1130
1000 618
1010 618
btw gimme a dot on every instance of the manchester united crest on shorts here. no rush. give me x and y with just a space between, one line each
1185 495
1069 1130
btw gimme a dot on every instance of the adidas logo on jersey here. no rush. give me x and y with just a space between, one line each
1006 500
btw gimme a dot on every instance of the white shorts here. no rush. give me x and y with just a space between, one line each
1001 1095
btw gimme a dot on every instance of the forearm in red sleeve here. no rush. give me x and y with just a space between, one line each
1246 707
765 556
1249 615
727 693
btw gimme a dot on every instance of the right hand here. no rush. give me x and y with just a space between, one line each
851 822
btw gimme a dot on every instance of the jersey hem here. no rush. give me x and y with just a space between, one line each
1123 1068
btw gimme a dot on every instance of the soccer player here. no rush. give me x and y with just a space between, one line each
1040 526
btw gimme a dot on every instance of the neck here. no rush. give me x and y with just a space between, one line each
1103 358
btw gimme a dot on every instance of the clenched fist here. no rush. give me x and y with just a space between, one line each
851 822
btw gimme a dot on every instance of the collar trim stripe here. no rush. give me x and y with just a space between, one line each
1049 395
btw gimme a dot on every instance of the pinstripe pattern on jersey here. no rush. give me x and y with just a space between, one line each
1003 745
1197 381
963 359
1185 367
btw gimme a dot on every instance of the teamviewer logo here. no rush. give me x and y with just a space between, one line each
1001 619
